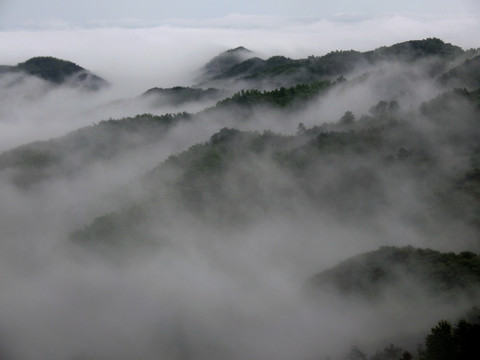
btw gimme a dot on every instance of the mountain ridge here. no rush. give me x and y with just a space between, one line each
334 64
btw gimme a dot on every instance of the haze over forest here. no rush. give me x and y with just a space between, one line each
242 187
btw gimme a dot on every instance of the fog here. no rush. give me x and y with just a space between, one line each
135 60
209 289
141 58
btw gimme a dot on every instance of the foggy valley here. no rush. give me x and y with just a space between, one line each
239 202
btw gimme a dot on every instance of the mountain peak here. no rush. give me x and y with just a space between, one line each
239 49
58 71
50 68
225 61
414 49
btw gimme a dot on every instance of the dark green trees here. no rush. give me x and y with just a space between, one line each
447 342
50 68
347 118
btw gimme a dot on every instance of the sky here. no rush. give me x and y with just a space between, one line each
21 13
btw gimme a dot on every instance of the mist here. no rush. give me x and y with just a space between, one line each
135 60
224 277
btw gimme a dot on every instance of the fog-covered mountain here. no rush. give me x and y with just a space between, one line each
325 207
404 271
224 62
56 71
282 71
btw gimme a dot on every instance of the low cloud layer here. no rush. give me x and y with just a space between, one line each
136 59
166 55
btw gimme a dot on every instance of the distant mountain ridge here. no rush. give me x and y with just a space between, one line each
58 72
35 161
284 71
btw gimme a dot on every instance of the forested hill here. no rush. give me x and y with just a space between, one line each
224 61
68 155
411 276
38 161
465 75
403 269
180 95
57 71
284 71
269 173
42 160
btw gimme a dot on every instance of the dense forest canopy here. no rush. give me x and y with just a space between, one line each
57 71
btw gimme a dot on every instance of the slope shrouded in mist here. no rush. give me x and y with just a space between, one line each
283 71
58 72
436 273
191 221
225 61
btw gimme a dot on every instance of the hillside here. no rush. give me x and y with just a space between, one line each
465 75
180 95
40 161
403 269
223 62
282 71
69 155
230 169
57 71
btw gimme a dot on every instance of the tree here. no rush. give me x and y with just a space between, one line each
460 342
466 337
383 108
347 118
406 356
356 354
439 343
301 129
391 352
